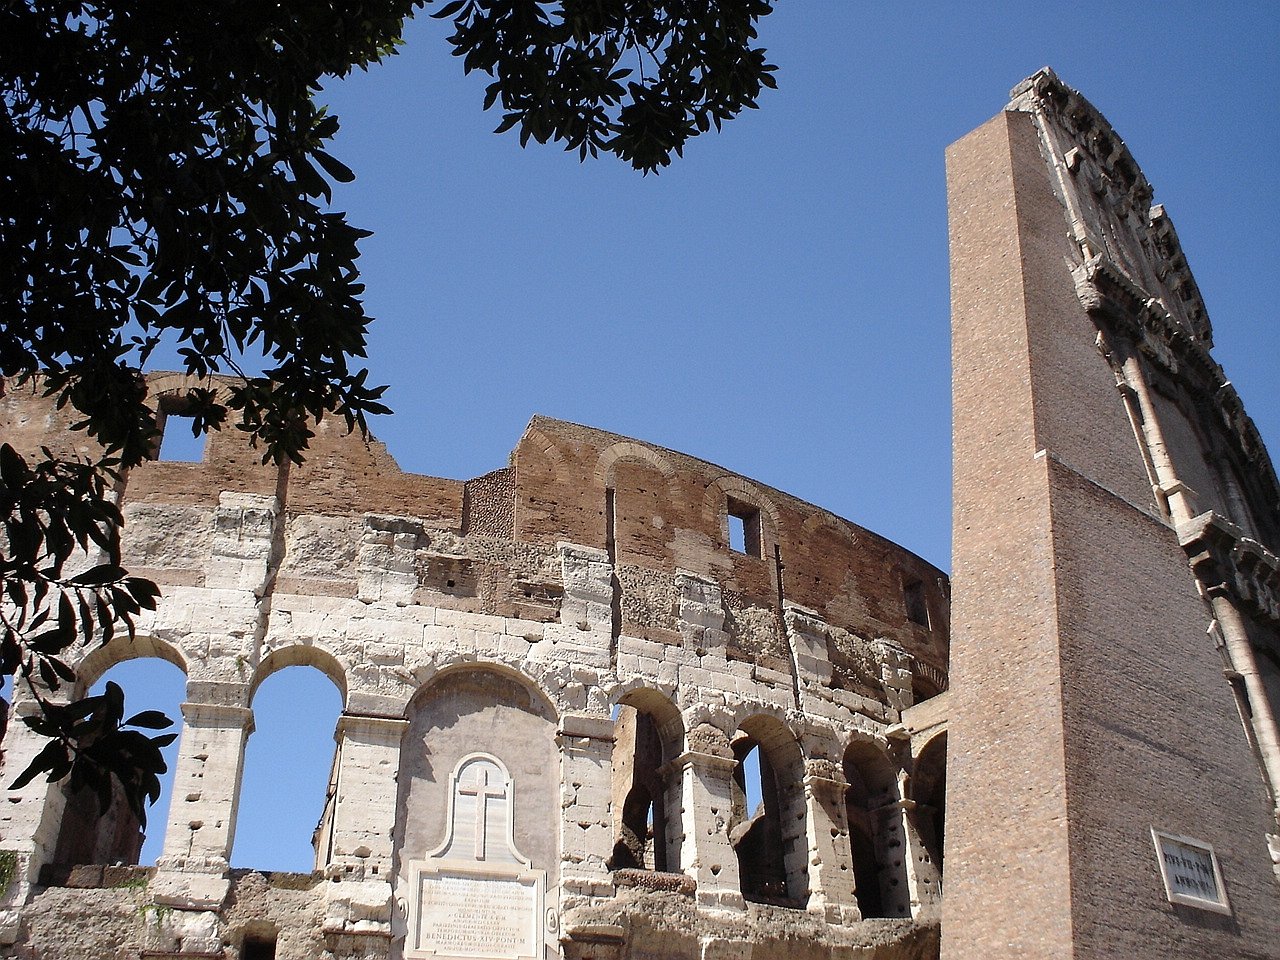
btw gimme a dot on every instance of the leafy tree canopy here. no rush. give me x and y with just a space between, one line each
165 178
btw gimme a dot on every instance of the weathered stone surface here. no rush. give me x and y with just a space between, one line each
687 750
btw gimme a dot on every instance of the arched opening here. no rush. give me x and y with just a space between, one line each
479 782
767 816
89 835
929 791
922 689
258 941
287 770
648 735
875 832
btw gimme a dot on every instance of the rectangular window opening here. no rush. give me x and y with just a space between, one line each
258 948
917 605
177 443
744 527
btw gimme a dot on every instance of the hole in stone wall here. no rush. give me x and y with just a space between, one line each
917 605
744 527
258 946
287 770
929 791
88 836
875 832
767 816
177 442
640 794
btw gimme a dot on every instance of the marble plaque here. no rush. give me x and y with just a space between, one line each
463 913
1190 871
475 897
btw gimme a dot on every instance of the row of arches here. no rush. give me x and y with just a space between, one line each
884 801
287 767
891 809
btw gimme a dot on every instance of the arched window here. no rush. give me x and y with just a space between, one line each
875 832
929 791
287 768
89 835
767 819
648 734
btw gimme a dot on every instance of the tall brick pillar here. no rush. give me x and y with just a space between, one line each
1088 699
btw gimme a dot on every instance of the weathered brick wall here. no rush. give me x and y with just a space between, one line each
1089 703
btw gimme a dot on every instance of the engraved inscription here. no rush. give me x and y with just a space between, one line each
495 918
1191 872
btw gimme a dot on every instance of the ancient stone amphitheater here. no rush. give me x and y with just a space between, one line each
611 702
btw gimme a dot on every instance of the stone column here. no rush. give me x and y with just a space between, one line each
202 812
586 828
831 884
706 855
358 908
924 879
30 818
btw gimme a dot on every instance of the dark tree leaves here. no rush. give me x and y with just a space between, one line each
166 177
636 78
56 513
91 745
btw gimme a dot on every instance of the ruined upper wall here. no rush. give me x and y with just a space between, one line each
358 526
659 511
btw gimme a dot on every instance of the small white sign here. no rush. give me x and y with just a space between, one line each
1190 871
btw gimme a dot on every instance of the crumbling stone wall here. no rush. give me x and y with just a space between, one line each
510 615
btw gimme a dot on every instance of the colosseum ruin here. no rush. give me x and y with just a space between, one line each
562 680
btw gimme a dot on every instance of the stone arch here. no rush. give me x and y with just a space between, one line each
300 655
97 661
821 519
876 840
771 842
614 454
668 718
928 788
753 713
294 716
646 788
517 673
546 447
85 833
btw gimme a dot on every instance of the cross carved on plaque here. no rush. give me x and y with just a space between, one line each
482 790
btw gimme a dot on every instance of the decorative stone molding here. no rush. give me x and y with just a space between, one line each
1223 558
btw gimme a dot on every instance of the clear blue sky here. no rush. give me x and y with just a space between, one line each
777 301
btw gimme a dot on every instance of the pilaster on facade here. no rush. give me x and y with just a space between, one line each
586 824
31 818
707 855
206 793
924 873
832 892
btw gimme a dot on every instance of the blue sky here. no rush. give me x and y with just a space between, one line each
777 301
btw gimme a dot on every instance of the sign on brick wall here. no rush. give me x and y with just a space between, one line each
1190 871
